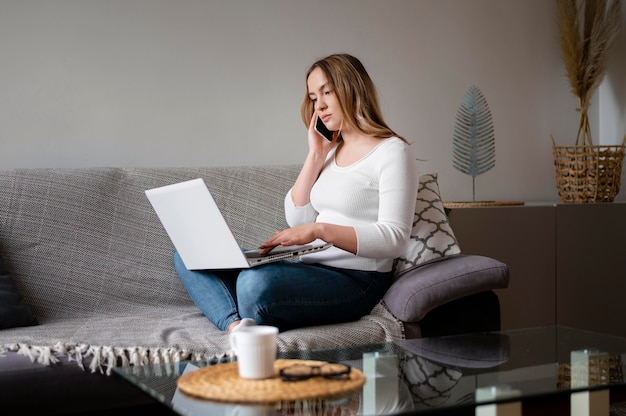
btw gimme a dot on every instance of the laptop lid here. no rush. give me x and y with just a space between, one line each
196 226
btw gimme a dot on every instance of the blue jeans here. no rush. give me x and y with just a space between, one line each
284 294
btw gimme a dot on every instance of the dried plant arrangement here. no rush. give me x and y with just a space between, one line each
587 31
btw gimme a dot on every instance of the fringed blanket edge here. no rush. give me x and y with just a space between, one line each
104 358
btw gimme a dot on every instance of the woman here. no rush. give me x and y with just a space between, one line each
356 191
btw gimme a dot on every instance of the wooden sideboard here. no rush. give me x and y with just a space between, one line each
567 261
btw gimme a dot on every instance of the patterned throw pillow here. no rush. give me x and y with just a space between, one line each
432 237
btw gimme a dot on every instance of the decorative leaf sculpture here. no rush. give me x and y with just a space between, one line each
474 144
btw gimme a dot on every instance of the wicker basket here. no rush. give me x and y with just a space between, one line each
588 174
615 373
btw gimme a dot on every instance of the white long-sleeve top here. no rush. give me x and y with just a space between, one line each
375 195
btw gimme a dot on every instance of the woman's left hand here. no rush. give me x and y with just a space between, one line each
302 234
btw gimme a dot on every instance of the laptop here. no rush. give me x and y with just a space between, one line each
200 234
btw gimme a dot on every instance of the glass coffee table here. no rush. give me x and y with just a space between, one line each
489 373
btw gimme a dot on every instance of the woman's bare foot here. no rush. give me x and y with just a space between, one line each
240 324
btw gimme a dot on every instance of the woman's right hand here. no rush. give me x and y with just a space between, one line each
317 143
319 148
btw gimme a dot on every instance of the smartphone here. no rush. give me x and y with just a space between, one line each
321 128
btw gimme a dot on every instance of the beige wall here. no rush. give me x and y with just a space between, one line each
215 82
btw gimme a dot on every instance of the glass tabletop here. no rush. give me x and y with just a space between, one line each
429 374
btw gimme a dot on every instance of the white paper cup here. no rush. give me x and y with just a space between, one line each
255 347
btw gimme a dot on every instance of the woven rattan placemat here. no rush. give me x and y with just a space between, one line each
222 383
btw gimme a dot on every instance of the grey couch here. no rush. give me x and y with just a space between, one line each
84 252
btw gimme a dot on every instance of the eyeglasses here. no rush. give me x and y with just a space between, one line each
298 372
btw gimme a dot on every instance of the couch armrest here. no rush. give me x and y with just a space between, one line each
416 293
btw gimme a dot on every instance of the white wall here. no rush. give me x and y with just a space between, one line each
216 82
612 95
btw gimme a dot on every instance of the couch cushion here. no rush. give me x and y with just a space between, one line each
431 237
173 334
424 288
14 312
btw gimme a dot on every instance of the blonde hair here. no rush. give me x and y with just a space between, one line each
355 93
